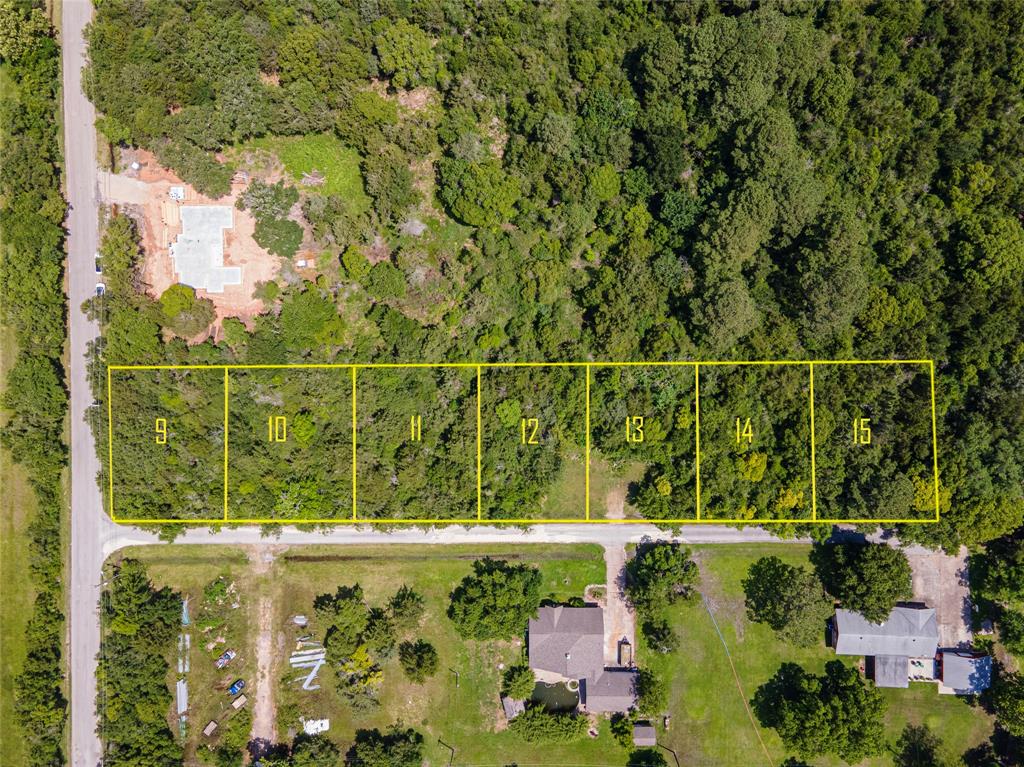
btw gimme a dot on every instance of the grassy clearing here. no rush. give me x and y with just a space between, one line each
710 722
339 164
566 497
17 505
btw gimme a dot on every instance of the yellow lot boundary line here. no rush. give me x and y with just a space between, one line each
935 438
663 363
586 480
354 430
479 449
526 521
479 366
225 443
814 469
696 401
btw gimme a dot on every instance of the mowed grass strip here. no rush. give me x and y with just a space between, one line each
710 725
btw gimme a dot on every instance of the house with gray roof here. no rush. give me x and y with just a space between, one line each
567 643
612 690
889 670
964 672
908 633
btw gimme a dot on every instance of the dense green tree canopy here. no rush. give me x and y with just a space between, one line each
577 181
789 599
496 601
869 578
660 574
837 713
394 748
33 313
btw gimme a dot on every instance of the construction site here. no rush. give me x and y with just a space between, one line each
189 238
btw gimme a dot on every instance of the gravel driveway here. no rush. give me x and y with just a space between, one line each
940 581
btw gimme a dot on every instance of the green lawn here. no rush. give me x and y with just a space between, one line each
466 716
710 724
338 163
17 505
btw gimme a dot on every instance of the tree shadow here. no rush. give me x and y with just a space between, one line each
261 748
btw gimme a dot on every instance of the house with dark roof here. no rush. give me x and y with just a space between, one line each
612 690
567 644
908 636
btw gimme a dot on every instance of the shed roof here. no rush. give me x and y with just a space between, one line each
644 735
966 673
568 641
512 707
613 690
892 671
911 632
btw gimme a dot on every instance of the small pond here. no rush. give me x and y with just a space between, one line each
555 697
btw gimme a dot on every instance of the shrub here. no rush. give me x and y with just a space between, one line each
537 725
518 682
418 660
496 601
281 237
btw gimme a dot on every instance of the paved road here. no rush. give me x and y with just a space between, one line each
86 503
115 537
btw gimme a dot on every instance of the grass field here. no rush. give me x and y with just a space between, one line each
17 505
337 163
710 724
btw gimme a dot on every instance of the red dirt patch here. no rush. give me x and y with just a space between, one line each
145 195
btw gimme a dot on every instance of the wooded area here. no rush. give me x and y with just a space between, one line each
31 276
663 181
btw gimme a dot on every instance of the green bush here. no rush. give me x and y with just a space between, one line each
496 601
197 167
518 682
385 281
281 237
418 660
537 725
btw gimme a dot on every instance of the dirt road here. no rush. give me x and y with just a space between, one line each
619 619
264 725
